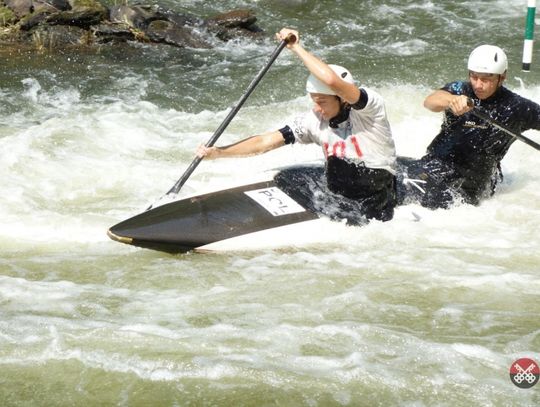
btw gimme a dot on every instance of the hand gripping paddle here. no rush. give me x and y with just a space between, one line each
176 187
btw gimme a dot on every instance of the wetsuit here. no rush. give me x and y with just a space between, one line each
360 157
463 161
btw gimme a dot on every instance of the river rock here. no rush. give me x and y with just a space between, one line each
234 19
125 15
82 17
139 22
50 6
109 32
7 16
234 24
60 36
170 33
82 13
20 8
137 17
33 20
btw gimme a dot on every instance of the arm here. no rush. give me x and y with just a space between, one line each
250 146
441 100
345 90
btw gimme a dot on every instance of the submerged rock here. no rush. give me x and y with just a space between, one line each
61 22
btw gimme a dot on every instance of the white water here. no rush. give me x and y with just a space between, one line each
81 167
409 312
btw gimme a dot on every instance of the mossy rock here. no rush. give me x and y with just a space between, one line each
7 17
80 4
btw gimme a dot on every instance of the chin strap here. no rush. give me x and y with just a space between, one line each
343 115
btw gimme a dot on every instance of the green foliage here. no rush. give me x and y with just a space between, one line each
7 17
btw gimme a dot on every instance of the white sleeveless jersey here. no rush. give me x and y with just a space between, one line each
364 137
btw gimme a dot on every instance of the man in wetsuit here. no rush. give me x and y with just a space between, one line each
350 125
462 163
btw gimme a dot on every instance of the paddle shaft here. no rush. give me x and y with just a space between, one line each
176 187
501 127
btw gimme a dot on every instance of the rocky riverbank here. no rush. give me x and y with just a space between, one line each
50 24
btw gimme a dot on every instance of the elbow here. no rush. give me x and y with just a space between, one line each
333 81
438 101
328 78
430 105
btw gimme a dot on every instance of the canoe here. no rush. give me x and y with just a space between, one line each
200 220
290 201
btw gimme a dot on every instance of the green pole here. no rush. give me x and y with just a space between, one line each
529 36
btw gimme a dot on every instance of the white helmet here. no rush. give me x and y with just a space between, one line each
313 85
488 59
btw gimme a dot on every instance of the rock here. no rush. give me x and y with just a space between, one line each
137 16
41 20
33 20
80 4
179 19
162 25
7 16
125 15
49 37
234 24
50 6
170 33
80 17
21 8
141 16
107 32
43 7
83 13
59 4
234 19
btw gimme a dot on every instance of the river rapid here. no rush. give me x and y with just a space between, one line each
429 309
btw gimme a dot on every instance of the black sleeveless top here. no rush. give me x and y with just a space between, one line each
472 145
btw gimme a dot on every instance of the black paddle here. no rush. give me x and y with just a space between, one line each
480 114
176 187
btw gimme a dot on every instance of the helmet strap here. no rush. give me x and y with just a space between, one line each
502 78
344 111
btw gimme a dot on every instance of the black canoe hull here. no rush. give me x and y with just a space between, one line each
193 222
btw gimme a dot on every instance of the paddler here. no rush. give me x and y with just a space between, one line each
463 162
351 126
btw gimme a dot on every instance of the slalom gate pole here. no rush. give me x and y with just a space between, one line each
529 36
